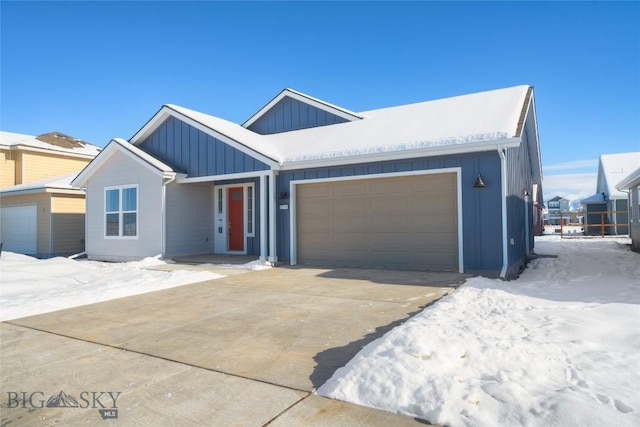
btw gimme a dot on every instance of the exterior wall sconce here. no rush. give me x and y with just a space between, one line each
283 195
479 182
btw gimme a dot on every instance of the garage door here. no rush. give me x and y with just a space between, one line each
398 222
18 229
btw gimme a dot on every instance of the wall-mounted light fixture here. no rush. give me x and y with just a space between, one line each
479 182
283 195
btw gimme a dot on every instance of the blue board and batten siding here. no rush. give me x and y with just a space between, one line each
519 210
191 150
481 210
290 114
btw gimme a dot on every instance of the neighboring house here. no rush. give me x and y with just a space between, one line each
557 208
437 185
609 203
40 213
631 185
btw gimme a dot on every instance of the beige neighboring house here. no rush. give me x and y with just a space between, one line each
41 214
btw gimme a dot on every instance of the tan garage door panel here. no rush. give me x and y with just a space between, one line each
402 222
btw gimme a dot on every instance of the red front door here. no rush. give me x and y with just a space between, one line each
236 219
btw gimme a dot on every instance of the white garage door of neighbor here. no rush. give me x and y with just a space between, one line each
19 229
397 222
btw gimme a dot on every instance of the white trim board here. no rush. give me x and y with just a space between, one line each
293 247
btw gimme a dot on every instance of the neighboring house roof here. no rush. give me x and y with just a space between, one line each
612 169
56 184
52 141
596 198
557 199
469 123
631 180
318 103
133 152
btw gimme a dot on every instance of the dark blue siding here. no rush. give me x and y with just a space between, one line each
519 180
291 114
481 207
196 153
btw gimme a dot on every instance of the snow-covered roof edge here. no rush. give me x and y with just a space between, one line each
302 97
12 140
61 183
613 168
135 153
231 133
631 180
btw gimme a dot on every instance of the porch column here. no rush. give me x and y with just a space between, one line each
273 257
263 217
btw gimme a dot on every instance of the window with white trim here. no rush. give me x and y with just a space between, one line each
121 211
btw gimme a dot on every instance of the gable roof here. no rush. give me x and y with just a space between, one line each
55 184
459 124
231 133
469 123
299 96
612 169
120 145
52 142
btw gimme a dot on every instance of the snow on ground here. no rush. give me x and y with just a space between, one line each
560 346
33 286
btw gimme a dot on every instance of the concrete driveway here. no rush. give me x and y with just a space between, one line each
248 349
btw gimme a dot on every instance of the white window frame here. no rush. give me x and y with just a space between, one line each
121 212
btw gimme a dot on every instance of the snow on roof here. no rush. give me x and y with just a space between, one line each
256 142
62 182
68 145
632 179
612 169
479 117
464 121
323 105
158 164
596 198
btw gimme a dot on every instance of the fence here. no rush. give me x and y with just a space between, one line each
602 225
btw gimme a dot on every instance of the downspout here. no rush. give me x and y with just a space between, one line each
164 211
526 222
505 240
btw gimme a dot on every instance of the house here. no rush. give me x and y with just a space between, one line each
41 214
557 208
436 185
606 210
631 184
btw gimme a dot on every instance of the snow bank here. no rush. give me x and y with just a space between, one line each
558 347
31 286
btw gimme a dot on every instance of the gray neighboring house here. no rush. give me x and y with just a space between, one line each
555 207
631 184
612 169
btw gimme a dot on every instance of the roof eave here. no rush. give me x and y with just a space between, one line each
405 154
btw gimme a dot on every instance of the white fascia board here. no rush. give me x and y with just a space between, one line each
475 147
166 111
333 109
531 108
630 181
105 155
183 179
42 190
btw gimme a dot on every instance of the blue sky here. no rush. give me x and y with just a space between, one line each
98 70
